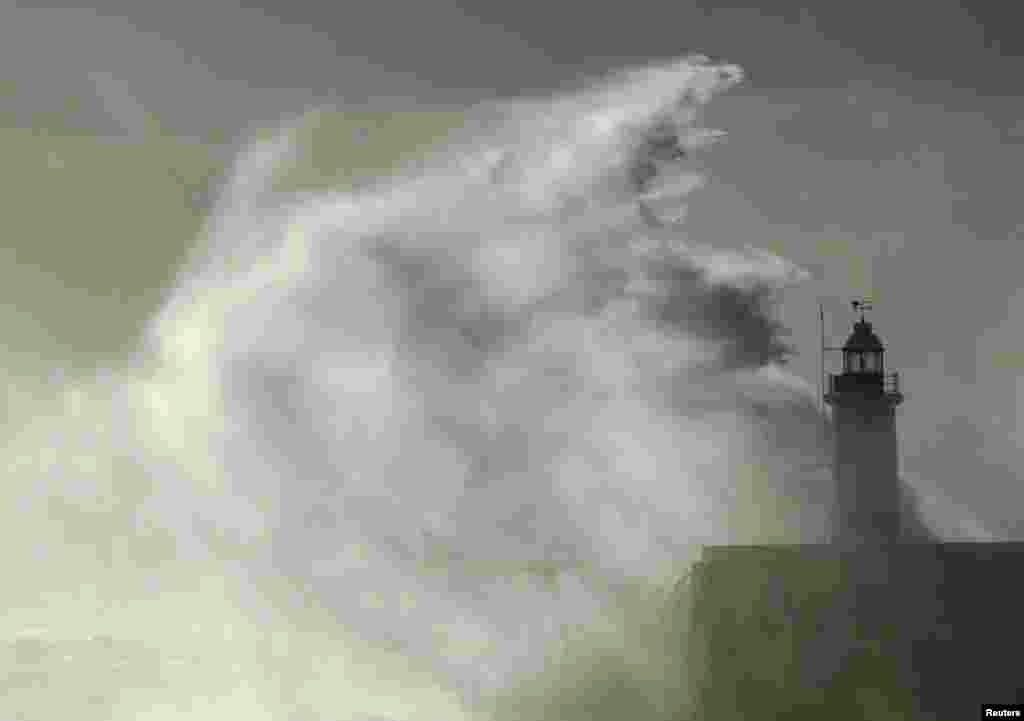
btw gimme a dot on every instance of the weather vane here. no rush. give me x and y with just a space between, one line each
860 306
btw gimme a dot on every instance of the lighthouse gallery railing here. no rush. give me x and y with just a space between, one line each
888 383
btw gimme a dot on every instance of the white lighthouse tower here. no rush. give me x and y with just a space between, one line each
863 399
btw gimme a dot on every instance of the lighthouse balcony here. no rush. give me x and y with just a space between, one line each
863 384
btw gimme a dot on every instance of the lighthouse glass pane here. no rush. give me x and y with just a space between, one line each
873 362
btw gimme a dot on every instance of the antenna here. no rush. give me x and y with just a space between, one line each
822 378
821 359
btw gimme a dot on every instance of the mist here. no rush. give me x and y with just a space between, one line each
439 446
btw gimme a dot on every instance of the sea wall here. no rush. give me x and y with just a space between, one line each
922 631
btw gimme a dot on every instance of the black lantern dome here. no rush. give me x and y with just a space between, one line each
863 351
863 375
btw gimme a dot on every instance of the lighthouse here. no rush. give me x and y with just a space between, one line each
863 627
863 399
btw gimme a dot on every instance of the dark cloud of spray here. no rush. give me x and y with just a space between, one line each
486 409
498 363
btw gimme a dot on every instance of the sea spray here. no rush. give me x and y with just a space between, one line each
455 418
